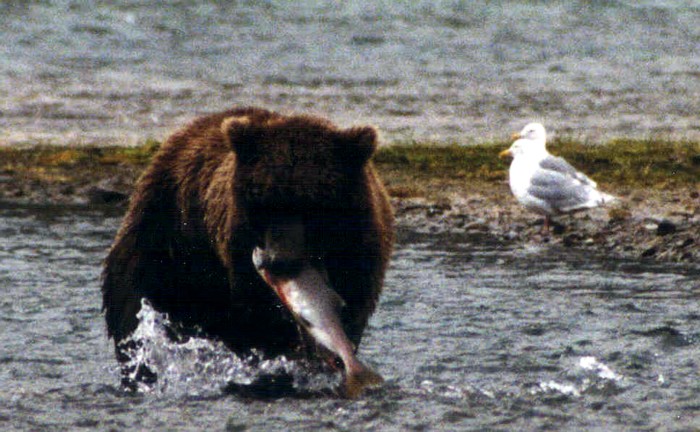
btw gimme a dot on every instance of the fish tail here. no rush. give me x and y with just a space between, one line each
356 381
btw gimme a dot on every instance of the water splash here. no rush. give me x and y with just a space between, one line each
448 391
201 367
590 375
600 369
555 387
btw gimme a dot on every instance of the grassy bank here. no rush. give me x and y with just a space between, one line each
410 169
619 163
423 168
73 166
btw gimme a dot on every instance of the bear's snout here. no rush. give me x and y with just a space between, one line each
282 251
286 266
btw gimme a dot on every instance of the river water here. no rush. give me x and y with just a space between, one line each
119 72
470 334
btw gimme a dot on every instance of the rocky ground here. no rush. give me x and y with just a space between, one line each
655 225
659 225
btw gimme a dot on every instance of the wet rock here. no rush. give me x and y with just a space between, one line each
511 235
571 240
67 190
100 195
618 215
637 196
479 225
558 229
685 243
437 209
650 252
665 227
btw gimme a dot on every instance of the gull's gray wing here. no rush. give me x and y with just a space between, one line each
560 165
562 191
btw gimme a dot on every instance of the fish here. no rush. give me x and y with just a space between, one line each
316 307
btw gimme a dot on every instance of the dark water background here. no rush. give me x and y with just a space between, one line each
470 71
470 335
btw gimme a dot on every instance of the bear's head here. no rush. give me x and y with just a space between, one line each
300 171
297 163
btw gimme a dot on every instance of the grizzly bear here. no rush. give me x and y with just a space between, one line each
296 191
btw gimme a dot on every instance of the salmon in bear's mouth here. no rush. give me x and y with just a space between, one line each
316 307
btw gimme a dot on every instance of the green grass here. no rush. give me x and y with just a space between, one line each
409 169
622 162
139 155
444 161
49 156
74 164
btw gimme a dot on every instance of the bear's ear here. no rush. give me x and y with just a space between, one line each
356 145
242 135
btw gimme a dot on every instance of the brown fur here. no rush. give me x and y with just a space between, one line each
186 241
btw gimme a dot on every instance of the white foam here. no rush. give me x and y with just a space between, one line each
596 375
565 389
603 371
202 366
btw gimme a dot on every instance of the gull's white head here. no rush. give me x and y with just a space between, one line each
533 132
531 139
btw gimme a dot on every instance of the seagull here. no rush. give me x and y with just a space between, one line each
547 184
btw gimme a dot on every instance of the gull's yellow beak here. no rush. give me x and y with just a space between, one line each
516 136
505 153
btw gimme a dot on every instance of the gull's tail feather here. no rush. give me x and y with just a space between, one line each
594 199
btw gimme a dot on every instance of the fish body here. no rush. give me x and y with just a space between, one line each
316 307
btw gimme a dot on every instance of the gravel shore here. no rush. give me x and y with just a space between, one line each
658 225
647 224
